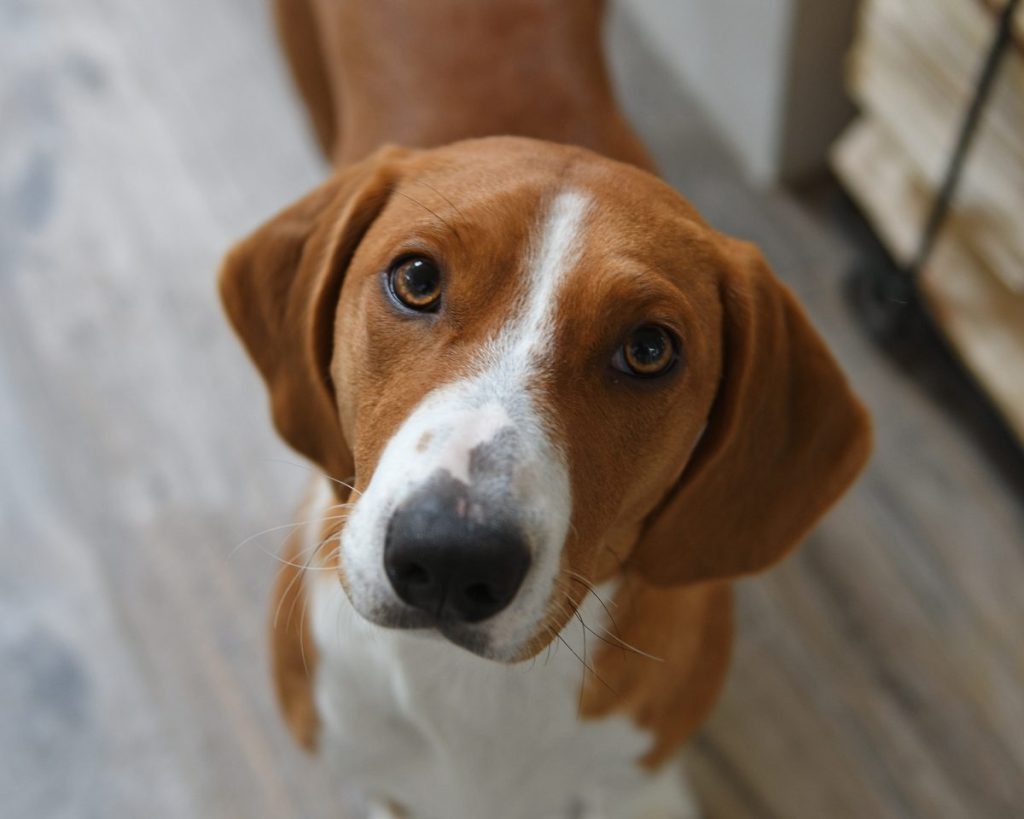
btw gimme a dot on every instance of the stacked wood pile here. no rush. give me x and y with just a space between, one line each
912 72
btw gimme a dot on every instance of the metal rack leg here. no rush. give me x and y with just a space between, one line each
885 297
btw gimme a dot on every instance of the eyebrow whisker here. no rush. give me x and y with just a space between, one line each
446 199
435 214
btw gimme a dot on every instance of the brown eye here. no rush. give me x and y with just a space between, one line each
416 282
649 351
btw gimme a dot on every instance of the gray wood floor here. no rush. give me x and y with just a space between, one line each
879 674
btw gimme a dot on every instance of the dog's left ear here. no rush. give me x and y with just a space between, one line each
785 438
280 288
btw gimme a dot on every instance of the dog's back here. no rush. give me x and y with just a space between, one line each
424 74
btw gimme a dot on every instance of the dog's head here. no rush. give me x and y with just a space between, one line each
539 368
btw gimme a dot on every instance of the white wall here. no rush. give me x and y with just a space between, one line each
767 72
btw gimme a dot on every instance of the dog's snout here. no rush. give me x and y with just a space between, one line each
446 555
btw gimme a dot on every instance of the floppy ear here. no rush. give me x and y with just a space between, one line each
785 438
280 288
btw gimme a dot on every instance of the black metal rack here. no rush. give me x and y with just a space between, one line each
886 295
887 299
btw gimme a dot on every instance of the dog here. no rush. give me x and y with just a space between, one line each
555 412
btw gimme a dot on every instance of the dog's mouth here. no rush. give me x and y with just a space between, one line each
491 610
474 638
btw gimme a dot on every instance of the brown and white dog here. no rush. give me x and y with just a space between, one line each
570 412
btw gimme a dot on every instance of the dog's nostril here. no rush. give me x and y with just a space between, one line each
413 574
480 595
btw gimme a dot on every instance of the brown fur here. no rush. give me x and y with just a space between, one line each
784 433
428 74
686 633
293 652
299 32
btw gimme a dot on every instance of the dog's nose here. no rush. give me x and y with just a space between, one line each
446 556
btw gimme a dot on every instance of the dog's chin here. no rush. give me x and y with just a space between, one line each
472 638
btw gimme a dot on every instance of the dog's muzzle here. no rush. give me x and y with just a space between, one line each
450 552
461 529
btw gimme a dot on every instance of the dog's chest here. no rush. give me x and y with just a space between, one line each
453 736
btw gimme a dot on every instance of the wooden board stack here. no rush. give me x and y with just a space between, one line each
912 72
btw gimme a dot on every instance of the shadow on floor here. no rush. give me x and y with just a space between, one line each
890 313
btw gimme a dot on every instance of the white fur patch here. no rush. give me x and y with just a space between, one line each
518 350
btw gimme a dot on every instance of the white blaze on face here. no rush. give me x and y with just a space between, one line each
454 420
518 351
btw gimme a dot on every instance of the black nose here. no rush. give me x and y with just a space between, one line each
443 554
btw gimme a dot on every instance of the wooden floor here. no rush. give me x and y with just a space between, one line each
879 674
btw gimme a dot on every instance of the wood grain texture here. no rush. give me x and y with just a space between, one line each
880 673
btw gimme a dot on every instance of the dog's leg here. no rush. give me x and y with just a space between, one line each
298 30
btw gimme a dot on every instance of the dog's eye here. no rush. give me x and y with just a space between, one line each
416 282
649 351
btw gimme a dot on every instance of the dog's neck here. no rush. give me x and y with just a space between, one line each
522 67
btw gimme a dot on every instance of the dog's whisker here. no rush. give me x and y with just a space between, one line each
588 584
609 637
615 642
590 587
286 562
620 643
584 660
310 550
284 596
312 553
433 213
569 612
451 204
302 639
334 535
454 207
316 471
286 526
575 654
267 531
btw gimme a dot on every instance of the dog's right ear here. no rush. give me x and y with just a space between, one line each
280 288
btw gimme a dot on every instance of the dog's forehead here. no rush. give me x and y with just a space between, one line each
496 204
517 173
